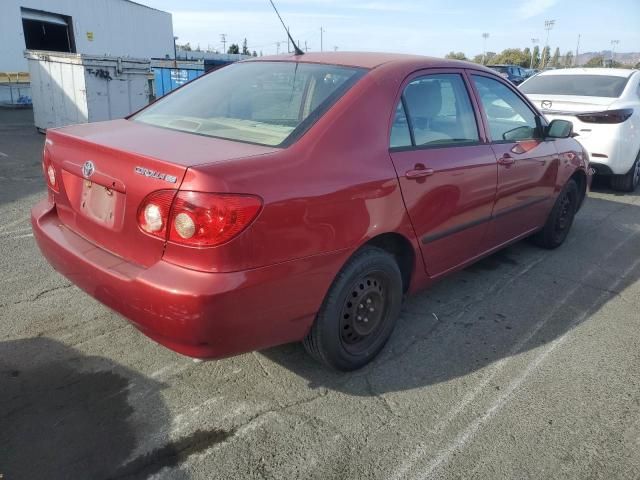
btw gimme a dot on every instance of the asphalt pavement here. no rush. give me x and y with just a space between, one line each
524 366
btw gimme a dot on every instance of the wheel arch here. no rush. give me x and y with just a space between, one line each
580 177
401 249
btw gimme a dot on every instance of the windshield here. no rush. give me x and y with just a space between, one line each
268 103
579 85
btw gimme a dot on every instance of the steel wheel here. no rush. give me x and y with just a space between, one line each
362 312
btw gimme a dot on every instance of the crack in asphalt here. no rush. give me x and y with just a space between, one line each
38 295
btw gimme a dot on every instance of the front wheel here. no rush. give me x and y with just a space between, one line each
359 312
559 221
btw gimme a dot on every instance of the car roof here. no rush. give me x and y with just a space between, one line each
612 72
370 60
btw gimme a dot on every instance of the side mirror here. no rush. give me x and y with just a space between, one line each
559 129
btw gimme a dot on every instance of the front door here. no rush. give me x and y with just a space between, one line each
447 172
527 164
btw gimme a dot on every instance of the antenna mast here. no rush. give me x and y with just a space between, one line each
296 49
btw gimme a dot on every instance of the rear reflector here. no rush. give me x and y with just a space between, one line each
196 218
608 116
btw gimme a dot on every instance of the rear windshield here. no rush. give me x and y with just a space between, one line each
268 103
500 69
580 85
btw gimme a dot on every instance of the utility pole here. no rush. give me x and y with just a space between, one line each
335 48
322 30
577 50
534 41
223 39
277 48
613 50
548 25
306 49
484 46
288 42
175 53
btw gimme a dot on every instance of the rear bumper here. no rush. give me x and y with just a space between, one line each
199 314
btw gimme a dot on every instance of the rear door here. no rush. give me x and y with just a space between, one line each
446 170
527 164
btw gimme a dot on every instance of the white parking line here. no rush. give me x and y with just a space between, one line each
469 432
13 223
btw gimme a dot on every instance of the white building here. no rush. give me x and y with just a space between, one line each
97 27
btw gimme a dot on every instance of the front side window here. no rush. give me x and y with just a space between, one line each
509 117
439 111
269 103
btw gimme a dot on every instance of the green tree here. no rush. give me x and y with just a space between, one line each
544 58
536 57
527 53
456 56
254 54
555 60
568 59
245 49
512 56
595 61
233 48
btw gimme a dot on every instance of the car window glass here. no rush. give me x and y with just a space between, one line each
440 111
400 136
508 116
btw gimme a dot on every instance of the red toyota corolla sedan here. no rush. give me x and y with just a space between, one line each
300 197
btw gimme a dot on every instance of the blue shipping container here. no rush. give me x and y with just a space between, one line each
168 79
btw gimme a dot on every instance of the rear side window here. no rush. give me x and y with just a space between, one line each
439 112
578 85
508 116
400 135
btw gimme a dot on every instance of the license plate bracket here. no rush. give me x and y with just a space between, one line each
98 203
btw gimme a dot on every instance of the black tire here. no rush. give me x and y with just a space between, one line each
559 221
359 312
629 181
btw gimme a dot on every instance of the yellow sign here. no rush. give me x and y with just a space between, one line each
90 36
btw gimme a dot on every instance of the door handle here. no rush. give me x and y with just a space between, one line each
506 159
419 173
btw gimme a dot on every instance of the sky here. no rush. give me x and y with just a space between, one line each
427 27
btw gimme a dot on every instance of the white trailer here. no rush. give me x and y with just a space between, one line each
68 88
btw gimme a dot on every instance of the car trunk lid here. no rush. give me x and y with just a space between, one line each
105 171
571 105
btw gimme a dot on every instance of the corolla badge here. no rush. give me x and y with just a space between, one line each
88 168
153 174
546 104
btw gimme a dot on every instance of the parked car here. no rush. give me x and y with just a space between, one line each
513 73
300 197
604 106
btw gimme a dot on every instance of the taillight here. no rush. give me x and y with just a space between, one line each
49 170
153 213
209 219
196 218
608 116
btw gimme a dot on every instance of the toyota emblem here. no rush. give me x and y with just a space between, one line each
546 104
88 168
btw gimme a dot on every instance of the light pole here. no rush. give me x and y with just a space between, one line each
613 50
484 46
548 25
175 53
534 41
223 39
577 51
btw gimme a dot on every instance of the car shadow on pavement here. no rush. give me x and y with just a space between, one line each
67 415
509 303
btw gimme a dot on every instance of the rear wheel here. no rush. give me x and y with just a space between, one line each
559 222
629 181
359 312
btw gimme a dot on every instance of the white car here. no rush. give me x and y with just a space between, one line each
604 106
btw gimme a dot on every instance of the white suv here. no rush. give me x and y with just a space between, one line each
604 106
